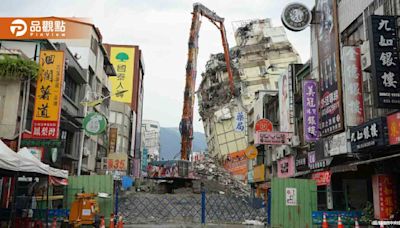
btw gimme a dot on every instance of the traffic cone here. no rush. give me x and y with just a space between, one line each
120 223
112 225
324 222
102 222
356 225
54 223
339 222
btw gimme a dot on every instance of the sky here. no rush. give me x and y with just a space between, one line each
161 29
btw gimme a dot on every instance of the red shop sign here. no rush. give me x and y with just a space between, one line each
393 123
322 178
264 125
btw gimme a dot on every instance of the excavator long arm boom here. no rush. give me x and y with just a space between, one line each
186 125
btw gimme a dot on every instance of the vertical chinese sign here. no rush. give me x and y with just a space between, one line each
240 122
113 139
393 124
384 60
46 113
123 60
286 102
352 83
384 194
310 110
331 110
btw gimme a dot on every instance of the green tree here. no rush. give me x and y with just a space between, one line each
122 56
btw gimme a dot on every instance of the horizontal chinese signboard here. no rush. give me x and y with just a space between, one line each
370 134
273 138
393 123
117 161
322 178
46 113
384 60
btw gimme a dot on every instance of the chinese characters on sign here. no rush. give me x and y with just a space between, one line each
322 178
46 113
310 111
29 28
393 124
123 60
370 134
286 167
330 105
352 76
113 139
236 164
291 196
384 193
385 61
240 122
264 125
117 161
273 138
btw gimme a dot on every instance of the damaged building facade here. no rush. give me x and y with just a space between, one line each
261 54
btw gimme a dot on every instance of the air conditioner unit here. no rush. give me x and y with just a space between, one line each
295 140
365 57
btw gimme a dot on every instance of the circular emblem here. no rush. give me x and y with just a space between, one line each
264 125
94 123
251 152
296 16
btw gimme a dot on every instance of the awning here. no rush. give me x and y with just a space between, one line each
376 159
24 161
8 158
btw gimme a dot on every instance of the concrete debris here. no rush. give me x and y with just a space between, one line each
217 179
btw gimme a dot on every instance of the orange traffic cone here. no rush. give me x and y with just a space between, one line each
356 225
339 222
102 222
112 225
324 222
120 223
54 223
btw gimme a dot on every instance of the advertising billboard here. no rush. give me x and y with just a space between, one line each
285 102
331 110
47 108
123 59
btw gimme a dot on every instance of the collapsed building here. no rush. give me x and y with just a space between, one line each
262 53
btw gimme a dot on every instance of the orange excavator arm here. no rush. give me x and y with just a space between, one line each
186 125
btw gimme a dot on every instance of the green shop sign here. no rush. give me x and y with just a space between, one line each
94 123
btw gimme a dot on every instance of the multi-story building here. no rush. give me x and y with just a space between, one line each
127 108
151 139
345 130
262 52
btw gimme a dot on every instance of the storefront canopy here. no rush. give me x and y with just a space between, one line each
24 161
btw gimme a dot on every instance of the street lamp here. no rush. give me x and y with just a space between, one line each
87 104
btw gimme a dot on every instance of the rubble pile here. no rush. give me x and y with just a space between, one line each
217 179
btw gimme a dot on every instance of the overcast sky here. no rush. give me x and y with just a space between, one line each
161 29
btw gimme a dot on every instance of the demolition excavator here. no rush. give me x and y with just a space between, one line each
179 171
186 124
